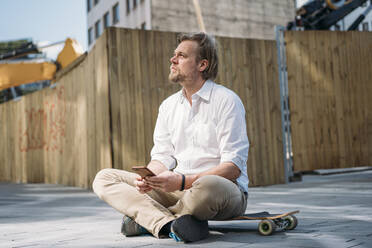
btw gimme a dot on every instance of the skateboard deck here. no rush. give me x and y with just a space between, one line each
270 222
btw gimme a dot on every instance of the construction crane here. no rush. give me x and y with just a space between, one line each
323 14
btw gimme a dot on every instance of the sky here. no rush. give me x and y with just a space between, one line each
300 2
45 21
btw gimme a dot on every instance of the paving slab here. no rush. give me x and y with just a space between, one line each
335 211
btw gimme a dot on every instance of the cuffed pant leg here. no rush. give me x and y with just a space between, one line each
116 187
211 197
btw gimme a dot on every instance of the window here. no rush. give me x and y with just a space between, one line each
96 2
115 14
106 20
89 5
143 26
90 36
97 27
365 26
128 6
134 4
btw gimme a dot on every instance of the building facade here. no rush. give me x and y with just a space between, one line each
233 18
119 13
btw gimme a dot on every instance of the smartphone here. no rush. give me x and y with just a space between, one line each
143 171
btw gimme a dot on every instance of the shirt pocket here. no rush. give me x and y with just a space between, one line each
206 135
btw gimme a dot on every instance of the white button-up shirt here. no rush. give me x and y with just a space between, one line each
194 138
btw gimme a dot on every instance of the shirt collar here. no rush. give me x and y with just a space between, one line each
204 92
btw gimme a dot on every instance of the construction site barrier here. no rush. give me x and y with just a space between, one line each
102 112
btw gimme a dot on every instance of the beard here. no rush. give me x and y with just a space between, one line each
176 76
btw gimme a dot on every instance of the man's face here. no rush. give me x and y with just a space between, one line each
184 66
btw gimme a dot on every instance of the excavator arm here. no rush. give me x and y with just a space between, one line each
14 73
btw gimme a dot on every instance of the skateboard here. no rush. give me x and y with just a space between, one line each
270 222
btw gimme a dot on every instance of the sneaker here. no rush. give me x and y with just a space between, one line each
131 228
189 229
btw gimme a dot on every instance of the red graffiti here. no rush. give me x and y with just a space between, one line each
45 127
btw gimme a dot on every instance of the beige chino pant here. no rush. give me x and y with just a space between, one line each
209 198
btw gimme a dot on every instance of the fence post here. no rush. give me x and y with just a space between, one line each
284 104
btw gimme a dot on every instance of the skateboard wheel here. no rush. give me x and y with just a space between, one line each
266 227
292 222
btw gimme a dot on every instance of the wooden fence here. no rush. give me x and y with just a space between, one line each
103 112
330 89
62 134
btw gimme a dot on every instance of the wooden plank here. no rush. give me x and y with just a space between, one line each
251 108
337 40
145 48
4 177
5 159
324 91
102 117
131 117
314 152
259 138
114 62
345 83
273 95
359 121
353 114
367 51
220 65
261 118
81 159
333 149
364 100
153 91
293 46
351 132
228 58
91 107
240 82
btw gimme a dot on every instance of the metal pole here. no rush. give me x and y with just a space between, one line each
284 106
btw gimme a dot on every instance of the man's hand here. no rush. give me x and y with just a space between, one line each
167 181
141 185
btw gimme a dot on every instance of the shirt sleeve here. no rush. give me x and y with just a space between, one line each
163 149
232 133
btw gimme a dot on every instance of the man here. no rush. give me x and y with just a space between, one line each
199 155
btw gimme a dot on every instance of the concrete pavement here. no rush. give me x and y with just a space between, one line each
336 211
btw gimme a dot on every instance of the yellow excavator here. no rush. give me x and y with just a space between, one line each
14 73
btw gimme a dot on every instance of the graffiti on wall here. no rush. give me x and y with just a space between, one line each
44 128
